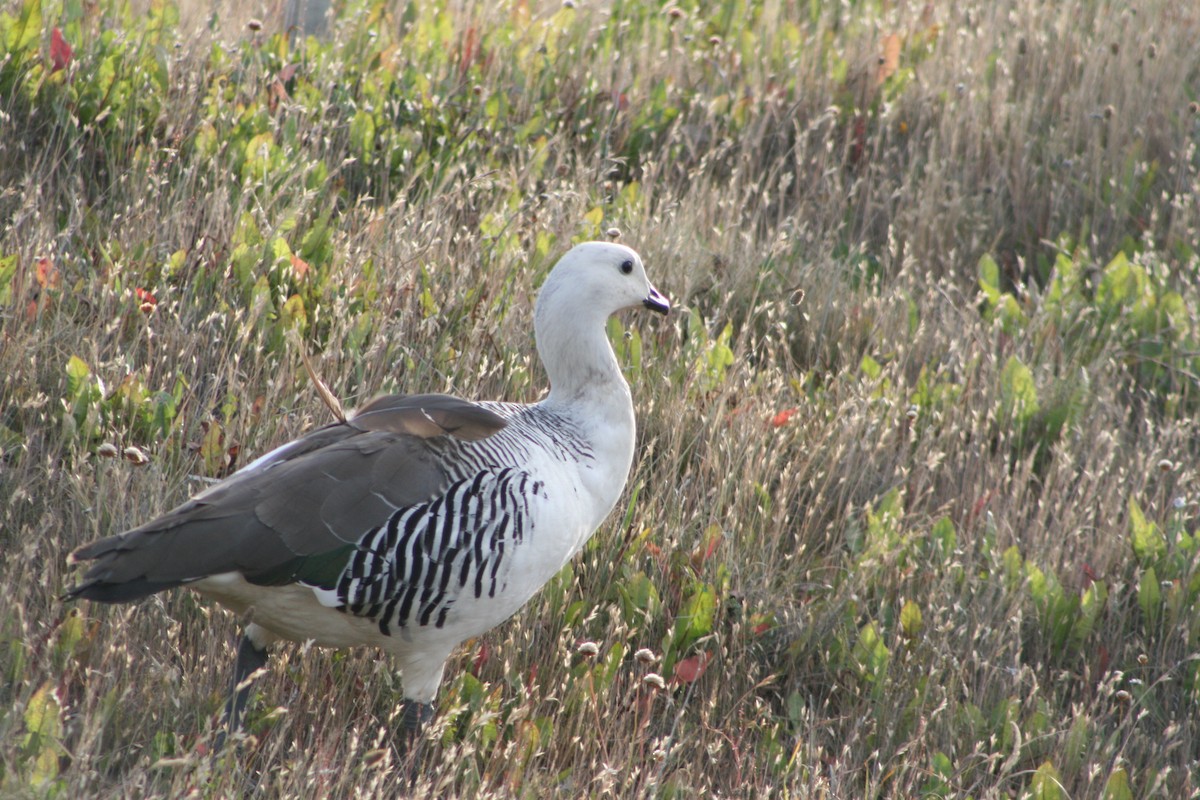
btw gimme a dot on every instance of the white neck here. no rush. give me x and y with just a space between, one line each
576 354
586 385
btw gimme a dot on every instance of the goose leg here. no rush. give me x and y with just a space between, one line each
410 745
414 716
251 656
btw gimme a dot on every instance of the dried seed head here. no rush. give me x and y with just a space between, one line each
674 12
1123 696
645 656
254 25
136 456
613 233
588 649
654 680
1143 659
1152 50
1165 465
1109 112
1115 48
1179 503
715 41
568 3
107 450
1194 107
912 413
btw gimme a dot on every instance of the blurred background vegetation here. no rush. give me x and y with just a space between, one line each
915 506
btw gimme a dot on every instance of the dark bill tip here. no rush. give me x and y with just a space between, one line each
656 302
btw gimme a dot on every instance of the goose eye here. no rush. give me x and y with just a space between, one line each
627 266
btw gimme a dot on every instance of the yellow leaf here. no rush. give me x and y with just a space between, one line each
911 619
593 219
43 732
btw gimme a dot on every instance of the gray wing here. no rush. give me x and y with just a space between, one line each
298 514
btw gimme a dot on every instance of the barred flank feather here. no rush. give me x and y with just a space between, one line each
412 568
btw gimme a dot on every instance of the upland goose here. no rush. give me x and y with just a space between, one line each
419 522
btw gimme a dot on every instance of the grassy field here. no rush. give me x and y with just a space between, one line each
915 506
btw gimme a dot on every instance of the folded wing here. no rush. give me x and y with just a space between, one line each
297 513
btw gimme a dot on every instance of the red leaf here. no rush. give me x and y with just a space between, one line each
981 504
761 623
783 417
713 540
146 300
278 93
690 669
300 266
46 274
889 58
481 657
60 51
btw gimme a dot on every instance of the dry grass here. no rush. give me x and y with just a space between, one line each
855 650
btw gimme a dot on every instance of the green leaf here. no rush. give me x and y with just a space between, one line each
293 313
78 373
362 136
871 654
1147 540
1012 567
639 598
282 252
1150 595
941 768
22 32
1117 786
429 306
696 618
1046 785
989 279
943 537
720 357
1091 604
1039 587
1121 285
258 153
1018 392
8 271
